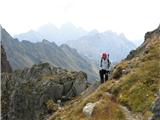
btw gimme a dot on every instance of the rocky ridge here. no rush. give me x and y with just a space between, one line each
32 93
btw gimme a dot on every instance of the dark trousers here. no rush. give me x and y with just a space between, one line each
103 75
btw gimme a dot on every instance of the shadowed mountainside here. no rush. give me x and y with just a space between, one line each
5 66
25 54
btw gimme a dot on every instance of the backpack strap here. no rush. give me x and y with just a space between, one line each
101 63
109 63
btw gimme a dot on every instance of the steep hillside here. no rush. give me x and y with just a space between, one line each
94 43
130 92
90 67
25 54
139 75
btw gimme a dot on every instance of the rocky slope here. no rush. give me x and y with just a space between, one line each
25 54
5 66
130 92
32 93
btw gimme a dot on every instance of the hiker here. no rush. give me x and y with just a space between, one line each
104 67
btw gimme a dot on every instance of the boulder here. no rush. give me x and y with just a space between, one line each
30 94
88 109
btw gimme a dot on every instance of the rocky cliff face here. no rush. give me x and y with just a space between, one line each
5 66
27 94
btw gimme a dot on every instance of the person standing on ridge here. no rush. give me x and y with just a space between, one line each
104 67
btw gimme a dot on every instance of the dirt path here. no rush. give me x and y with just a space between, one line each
128 114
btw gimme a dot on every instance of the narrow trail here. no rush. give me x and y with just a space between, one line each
128 114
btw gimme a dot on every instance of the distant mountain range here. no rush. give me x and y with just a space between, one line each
94 43
25 54
50 32
89 44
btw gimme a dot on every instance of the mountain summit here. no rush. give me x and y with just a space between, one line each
50 32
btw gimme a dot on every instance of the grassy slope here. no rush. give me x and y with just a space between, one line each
106 108
135 89
138 88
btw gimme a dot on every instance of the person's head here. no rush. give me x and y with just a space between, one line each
105 55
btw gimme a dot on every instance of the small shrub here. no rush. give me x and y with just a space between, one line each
51 105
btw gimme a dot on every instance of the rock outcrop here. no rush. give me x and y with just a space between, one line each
156 108
5 66
27 93
149 38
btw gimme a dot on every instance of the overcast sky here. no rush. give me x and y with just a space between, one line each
131 17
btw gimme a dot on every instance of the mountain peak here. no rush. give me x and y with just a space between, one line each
45 41
68 26
48 27
93 32
31 31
